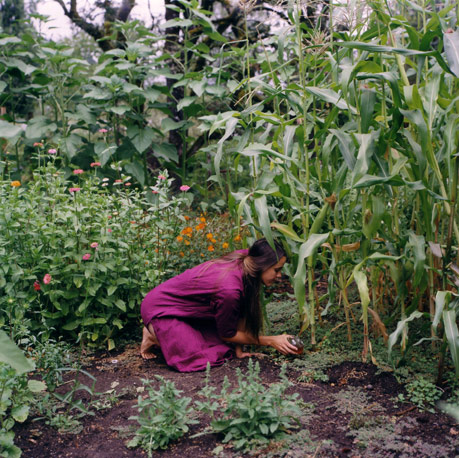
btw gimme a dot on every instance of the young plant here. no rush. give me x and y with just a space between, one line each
163 416
250 414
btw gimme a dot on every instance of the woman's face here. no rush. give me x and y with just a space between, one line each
273 273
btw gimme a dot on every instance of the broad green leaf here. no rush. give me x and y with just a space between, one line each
419 250
367 106
71 144
20 413
136 169
38 127
451 43
261 207
330 96
36 386
165 151
287 231
364 155
8 130
442 298
141 138
11 354
307 249
401 325
452 336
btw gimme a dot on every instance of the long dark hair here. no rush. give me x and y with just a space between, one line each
261 256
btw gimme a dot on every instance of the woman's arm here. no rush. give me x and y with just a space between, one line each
280 343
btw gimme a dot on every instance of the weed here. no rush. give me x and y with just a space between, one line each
422 394
251 414
163 416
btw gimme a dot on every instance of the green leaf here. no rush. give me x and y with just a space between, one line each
137 170
307 249
330 96
121 304
441 299
401 325
451 43
8 130
20 413
11 354
261 207
452 336
287 231
165 151
141 138
38 127
36 386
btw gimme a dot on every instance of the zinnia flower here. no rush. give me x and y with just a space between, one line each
47 279
52 151
209 235
184 188
127 184
74 189
179 238
105 179
39 144
161 177
86 257
103 131
95 164
211 248
109 230
78 171
154 191
15 183
94 245
225 245
36 286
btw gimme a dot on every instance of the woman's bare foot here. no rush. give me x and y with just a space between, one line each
149 341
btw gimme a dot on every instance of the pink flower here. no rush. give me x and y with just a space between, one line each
109 230
104 184
103 131
127 184
94 245
52 151
86 257
47 279
39 144
74 189
78 171
184 187
154 191
161 177
36 286
95 164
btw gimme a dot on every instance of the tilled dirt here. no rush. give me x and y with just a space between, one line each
353 414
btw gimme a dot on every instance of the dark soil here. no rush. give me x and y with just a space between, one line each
353 414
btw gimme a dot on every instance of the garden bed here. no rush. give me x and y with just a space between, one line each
353 413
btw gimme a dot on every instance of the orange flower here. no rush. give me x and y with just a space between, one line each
187 218
179 238
202 255
213 240
15 183
202 219
209 236
237 238
187 242
187 230
225 245
211 248
182 254
200 226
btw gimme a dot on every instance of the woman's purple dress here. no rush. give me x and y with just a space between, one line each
193 311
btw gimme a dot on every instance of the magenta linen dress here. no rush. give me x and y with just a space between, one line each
191 313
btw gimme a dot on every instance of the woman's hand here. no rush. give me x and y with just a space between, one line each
281 344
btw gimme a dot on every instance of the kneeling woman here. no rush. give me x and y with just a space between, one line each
208 312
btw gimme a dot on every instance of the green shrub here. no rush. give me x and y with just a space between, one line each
163 416
251 414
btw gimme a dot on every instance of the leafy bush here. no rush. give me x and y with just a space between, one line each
163 416
250 414
79 259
